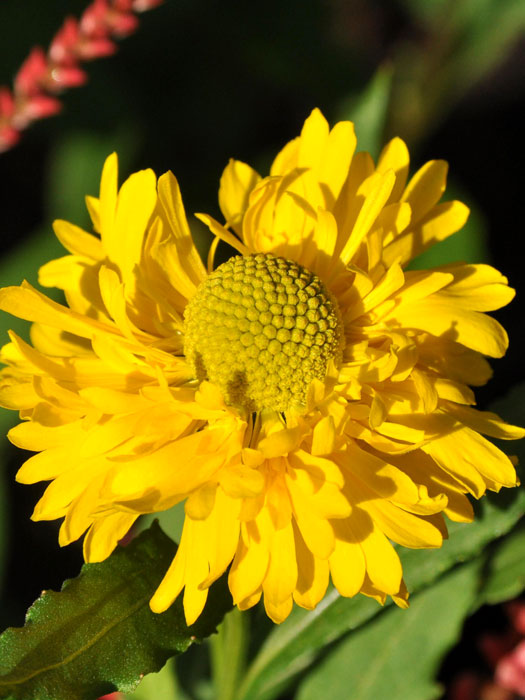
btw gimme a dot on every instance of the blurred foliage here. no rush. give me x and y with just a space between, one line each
368 110
455 46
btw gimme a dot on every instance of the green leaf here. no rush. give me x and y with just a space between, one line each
295 644
486 32
505 570
98 635
478 35
228 654
369 111
398 653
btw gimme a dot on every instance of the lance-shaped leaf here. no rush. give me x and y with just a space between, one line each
98 634
378 660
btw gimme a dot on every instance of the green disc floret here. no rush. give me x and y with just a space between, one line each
262 328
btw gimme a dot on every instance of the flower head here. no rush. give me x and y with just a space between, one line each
308 399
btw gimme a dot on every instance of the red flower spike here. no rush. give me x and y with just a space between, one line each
7 103
124 24
510 672
8 138
37 107
89 49
145 5
93 22
62 49
64 77
41 76
516 612
123 5
32 71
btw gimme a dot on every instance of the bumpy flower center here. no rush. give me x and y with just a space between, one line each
262 328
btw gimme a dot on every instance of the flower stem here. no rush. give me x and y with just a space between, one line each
228 654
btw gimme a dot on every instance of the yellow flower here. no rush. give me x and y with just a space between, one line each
308 399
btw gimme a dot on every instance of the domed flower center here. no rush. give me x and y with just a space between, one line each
262 328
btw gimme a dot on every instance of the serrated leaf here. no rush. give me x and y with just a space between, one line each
377 661
98 634
294 645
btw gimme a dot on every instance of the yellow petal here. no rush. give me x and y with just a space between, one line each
385 479
241 481
108 203
478 287
222 529
316 531
347 561
471 459
18 396
486 423
173 580
441 221
171 201
312 575
395 156
402 527
65 273
248 569
442 317
223 233
93 207
382 562
426 187
28 303
45 465
200 503
237 182
281 577
104 535
374 201
312 141
278 613
35 437
286 159
335 161
78 241
135 204
323 438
